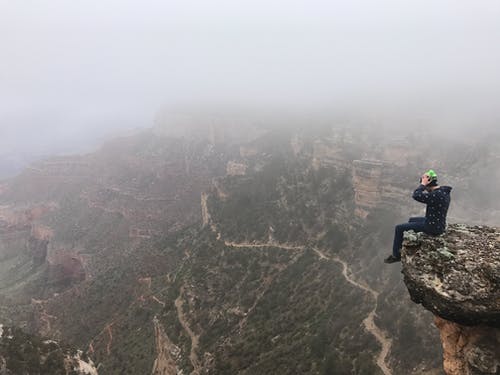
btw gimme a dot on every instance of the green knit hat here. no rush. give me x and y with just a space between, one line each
432 175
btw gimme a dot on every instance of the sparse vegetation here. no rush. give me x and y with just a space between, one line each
257 310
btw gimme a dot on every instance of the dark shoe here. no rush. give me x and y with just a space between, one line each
392 259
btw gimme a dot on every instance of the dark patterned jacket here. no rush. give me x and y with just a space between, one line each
438 201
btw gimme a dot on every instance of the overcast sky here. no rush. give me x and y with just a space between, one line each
73 69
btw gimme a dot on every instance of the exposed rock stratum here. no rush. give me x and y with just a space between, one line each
456 276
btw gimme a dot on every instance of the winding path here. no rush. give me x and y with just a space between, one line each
110 338
263 244
368 322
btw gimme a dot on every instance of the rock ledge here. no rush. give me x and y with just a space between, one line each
456 275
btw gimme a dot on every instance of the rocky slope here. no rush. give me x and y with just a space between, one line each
457 277
21 353
80 233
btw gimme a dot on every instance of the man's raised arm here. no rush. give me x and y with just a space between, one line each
421 195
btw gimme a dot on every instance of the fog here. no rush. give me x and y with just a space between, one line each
73 72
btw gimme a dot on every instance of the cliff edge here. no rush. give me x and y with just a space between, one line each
456 276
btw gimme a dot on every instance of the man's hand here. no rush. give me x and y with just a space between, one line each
424 180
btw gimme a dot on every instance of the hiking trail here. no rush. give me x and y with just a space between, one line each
110 338
368 322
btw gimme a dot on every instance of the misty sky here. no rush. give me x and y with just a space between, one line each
73 69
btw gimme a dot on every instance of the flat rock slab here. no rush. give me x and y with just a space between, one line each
455 275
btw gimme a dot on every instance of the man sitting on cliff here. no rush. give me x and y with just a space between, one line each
437 199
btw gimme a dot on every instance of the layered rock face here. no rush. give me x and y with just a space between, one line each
457 277
366 181
21 234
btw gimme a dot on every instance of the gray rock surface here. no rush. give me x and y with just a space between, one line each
456 275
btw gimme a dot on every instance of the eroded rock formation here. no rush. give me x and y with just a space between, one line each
456 276
366 180
21 234
22 353
236 169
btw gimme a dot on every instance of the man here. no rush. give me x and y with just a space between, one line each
437 199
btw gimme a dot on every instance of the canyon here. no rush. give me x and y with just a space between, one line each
222 252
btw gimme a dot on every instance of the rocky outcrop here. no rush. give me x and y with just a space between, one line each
328 152
234 168
167 353
65 268
205 214
21 234
13 240
469 349
14 216
22 353
366 180
376 184
37 249
456 276
24 238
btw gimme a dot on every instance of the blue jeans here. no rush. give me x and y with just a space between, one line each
415 223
